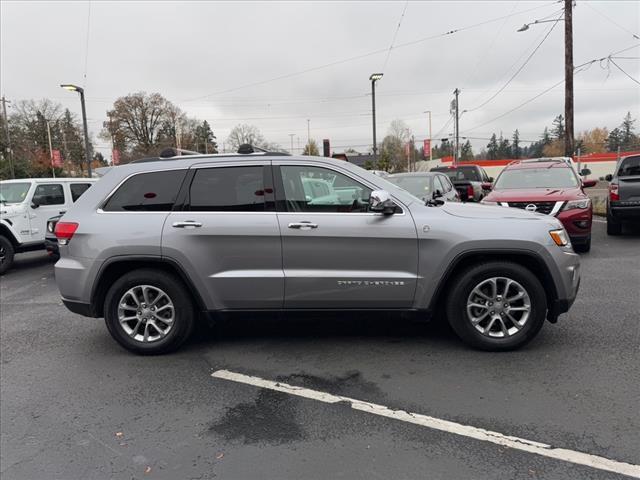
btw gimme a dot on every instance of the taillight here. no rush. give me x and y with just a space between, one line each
64 231
470 191
613 192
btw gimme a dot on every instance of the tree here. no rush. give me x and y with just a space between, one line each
504 149
245 133
466 152
592 141
558 128
515 148
311 148
628 136
145 123
205 139
614 140
492 148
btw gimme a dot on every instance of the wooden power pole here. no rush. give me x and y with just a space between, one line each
568 78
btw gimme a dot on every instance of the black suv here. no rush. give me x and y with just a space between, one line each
623 202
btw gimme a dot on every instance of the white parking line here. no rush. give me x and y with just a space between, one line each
598 221
537 448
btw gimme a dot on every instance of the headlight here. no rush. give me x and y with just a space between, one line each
584 203
50 227
560 237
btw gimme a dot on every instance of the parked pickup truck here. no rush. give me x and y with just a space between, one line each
623 202
468 180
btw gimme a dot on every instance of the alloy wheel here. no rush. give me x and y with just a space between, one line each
146 313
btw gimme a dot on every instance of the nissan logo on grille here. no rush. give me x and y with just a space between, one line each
531 207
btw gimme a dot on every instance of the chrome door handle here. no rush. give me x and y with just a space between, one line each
187 224
303 225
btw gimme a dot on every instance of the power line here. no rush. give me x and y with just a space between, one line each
519 69
620 68
635 35
577 69
386 60
358 57
86 50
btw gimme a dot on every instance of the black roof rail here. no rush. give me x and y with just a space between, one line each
247 148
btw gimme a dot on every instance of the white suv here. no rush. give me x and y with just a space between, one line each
25 206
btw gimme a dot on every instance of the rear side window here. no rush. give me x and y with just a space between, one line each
147 192
228 189
629 167
49 194
77 189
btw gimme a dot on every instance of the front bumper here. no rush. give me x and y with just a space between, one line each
577 222
567 280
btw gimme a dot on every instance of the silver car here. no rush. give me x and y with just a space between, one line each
156 245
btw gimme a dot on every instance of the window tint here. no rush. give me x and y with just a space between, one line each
78 189
629 167
147 192
315 189
437 184
228 189
51 194
445 183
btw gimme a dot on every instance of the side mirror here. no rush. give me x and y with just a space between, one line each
35 203
380 201
585 171
436 194
608 177
588 183
487 185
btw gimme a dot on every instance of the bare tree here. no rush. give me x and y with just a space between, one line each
244 133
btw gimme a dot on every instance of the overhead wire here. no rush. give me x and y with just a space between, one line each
519 69
611 20
358 57
393 41
620 68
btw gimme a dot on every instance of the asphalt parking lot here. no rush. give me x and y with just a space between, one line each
74 405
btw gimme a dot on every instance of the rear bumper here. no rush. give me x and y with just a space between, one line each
51 246
625 212
84 309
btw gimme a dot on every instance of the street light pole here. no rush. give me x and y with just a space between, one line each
87 153
292 135
374 78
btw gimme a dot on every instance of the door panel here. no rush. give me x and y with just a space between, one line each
51 199
227 238
348 258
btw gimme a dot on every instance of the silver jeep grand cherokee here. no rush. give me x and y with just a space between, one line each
156 243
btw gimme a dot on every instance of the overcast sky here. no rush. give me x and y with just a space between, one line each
205 56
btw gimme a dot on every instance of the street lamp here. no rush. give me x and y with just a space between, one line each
87 153
374 78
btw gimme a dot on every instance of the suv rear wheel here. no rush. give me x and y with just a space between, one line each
496 306
6 254
149 312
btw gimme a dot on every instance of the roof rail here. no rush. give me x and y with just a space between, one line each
247 148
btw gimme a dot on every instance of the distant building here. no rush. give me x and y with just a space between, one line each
359 159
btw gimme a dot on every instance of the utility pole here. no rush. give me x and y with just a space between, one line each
457 127
292 135
53 172
6 127
568 78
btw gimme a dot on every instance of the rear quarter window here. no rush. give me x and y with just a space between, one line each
147 192
629 167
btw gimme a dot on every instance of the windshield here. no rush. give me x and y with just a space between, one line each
459 173
537 178
13 192
629 167
417 185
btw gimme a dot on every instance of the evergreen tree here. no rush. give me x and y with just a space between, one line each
504 149
516 150
205 139
466 152
558 127
614 140
492 148
628 136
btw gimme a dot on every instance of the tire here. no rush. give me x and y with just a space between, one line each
7 254
503 334
613 227
583 247
143 334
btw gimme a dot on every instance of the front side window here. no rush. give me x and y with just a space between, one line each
544 177
49 194
147 192
77 189
317 189
228 189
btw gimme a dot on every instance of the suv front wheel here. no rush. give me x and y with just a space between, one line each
149 312
496 306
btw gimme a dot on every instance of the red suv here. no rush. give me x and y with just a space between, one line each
549 186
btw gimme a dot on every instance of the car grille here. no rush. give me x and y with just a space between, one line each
541 207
